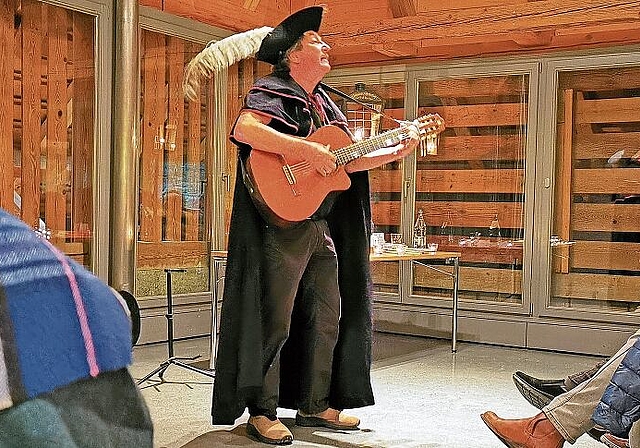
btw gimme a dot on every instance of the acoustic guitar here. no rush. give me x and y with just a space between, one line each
291 190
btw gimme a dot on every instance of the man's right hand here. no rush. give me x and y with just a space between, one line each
319 157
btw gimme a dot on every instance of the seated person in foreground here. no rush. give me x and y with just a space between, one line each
65 344
566 417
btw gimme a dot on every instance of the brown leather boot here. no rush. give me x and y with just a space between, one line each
534 432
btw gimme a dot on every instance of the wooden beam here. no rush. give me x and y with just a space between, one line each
501 19
396 49
251 5
7 47
402 8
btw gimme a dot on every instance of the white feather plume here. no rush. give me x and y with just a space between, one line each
220 55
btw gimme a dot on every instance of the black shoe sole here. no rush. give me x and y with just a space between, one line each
322 423
538 393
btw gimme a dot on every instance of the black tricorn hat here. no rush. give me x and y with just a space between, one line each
287 33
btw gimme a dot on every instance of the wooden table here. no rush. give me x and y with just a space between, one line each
422 258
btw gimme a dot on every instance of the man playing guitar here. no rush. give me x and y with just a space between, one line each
296 319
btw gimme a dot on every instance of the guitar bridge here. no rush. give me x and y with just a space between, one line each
288 173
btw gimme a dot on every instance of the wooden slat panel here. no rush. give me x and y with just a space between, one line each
588 145
385 180
472 214
31 112
56 178
605 255
503 281
606 217
618 180
385 213
478 147
459 214
596 287
615 110
477 115
175 140
385 273
614 78
153 122
192 167
470 181
172 254
472 87
6 105
82 119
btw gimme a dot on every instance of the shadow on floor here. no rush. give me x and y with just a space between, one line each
302 436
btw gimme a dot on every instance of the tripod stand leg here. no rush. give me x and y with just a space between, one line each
208 373
159 370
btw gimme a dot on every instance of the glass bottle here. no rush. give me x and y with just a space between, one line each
420 232
494 228
446 229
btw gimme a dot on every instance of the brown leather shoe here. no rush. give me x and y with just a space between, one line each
534 432
269 431
614 442
329 418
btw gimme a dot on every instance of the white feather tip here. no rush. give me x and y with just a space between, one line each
219 55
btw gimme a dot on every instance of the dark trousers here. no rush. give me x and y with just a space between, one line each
301 258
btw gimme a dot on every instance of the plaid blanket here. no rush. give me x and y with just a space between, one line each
58 322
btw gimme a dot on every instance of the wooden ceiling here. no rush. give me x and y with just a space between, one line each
364 32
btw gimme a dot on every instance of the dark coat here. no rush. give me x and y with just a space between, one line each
619 406
238 367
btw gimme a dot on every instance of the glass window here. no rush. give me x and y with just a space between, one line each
472 191
174 205
596 239
385 181
47 91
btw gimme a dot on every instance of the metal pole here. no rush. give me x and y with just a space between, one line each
454 316
169 314
125 144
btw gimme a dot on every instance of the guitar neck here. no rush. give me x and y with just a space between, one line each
359 149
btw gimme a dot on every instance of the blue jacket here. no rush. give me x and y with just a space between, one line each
619 406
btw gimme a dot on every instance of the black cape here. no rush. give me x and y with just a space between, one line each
238 364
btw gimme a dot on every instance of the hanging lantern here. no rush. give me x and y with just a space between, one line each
363 122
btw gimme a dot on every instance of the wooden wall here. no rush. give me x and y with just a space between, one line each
47 84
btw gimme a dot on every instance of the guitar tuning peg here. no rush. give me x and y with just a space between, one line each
423 148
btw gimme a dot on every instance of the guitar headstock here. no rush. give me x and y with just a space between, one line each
429 126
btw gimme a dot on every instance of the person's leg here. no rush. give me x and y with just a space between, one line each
634 435
321 313
321 308
571 412
286 256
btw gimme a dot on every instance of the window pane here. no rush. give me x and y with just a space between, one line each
385 181
597 190
472 190
173 223
47 81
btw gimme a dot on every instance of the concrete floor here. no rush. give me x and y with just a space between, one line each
425 396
